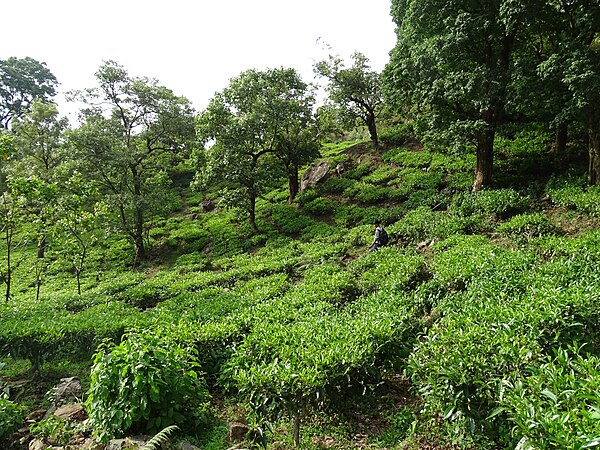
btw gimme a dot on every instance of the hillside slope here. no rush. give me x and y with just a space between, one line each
474 329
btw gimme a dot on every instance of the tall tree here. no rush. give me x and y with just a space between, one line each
133 132
39 136
21 82
453 59
79 214
575 64
259 118
356 90
9 211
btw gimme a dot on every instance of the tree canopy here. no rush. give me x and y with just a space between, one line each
133 132
355 90
262 117
21 82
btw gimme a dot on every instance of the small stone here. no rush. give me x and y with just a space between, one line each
238 431
72 411
185 445
37 444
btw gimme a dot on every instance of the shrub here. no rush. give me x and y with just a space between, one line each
388 268
335 185
501 203
367 193
321 206
381 175
525 143
289 219
526 226
318 230
509 317
306 196
453 164
422 224
396 134
583 199
11 416
557 406
285 367
358 172
327 282
407 158
419 179
144 384
349 215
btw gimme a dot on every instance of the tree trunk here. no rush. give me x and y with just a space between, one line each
293 183
8 238
560 138
252 209
140 249
594 148
41 249
485 160
296 429
78 277
372 126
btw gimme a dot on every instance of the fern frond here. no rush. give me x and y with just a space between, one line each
160 438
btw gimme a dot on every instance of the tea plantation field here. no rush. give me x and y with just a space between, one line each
476 328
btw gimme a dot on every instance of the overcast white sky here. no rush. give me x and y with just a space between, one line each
192 46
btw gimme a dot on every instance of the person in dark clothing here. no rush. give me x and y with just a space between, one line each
380 237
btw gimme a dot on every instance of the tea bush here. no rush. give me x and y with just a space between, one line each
381 175
306 196
366 193
396 134
11 416
350 215
321 206
461 259
525 142
191 262
144 384
586 199
510 315
415 178
151 291
335 185
407 158
327 282
501 203
289 219
318 230
207 304
557 405
389 268
358 172
453 164
421 224
286 367
526 226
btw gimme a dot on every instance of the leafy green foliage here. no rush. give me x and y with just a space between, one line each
501 203
160 438
355 90
146 383
11 416
422 224
585 199
388 268
396 135
526 226
557 405
22 80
